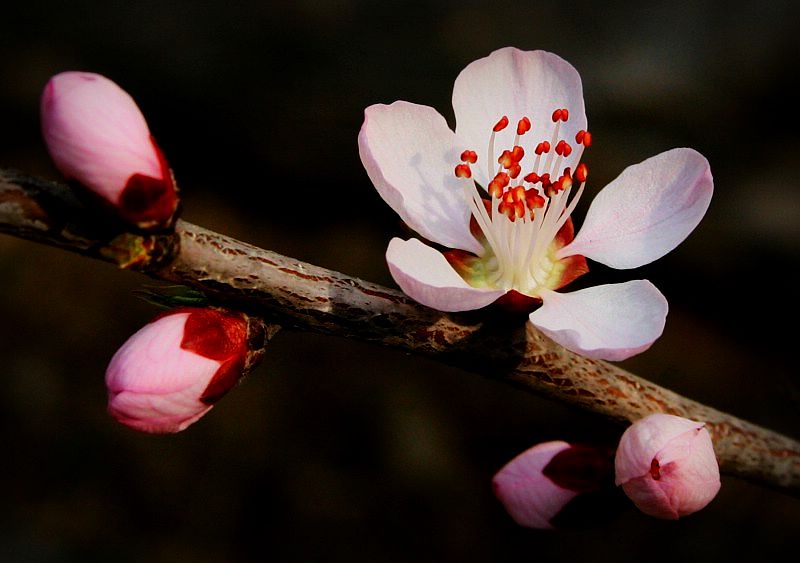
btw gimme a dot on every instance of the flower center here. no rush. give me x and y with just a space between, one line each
523 214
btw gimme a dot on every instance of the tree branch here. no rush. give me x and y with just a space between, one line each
306 297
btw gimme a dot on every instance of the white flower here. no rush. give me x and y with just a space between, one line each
499 193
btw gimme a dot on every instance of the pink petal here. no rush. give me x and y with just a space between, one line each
516 84
425 275
530 498
610 322
154 385
689 471
650 497
410 155
95 133
647 211
644 439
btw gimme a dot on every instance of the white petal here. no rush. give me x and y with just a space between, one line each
609 322
647 211
425 275
410 155
517 84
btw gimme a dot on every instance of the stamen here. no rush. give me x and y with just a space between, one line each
560 115
463 171
523 126
469 156
519 222
500 125
499 182
581 172
563 148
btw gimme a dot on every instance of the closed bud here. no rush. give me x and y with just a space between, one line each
172 371
544 486
98 138
667 467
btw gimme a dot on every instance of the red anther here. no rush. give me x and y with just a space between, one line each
495 189
533 177
499 182
583 138
517 153
564 114
523 126
545 179
565 182
508 210
502 178
557 115
506 159
519 209
581 172
469 156
533 199
463 171
518 193
563 148
515 170
500 125
543 147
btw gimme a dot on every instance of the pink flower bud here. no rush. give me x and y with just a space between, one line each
537 486
666 465
172 371
97 137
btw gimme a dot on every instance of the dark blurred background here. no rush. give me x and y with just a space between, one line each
341 451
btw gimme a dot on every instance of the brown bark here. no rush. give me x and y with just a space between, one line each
306 297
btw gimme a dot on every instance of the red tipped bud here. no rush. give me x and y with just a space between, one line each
666 465
97 136
171 372
539 487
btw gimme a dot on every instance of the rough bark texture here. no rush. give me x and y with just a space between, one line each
306 297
